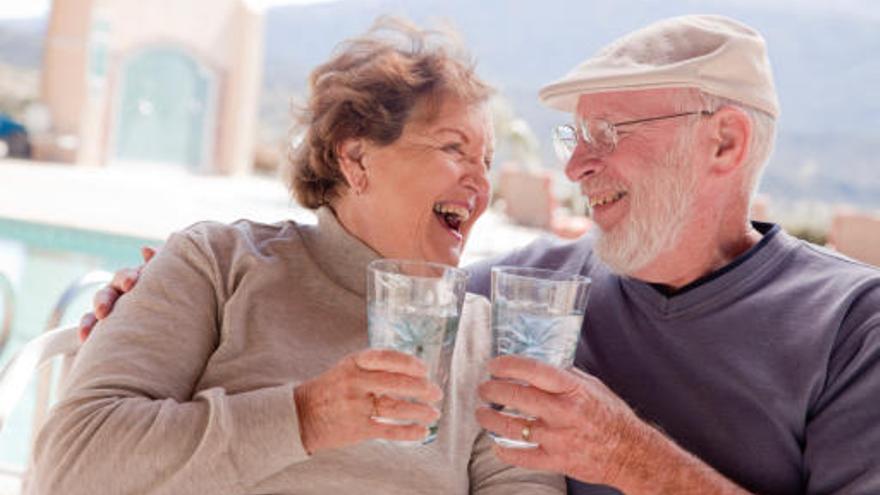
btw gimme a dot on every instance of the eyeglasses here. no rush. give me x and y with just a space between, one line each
598 135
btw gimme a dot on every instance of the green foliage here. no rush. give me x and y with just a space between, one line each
809 233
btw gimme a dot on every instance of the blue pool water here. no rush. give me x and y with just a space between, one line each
41 261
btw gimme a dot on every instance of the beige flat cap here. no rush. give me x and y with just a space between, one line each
713 53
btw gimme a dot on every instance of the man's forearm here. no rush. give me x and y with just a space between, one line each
650 462
589 433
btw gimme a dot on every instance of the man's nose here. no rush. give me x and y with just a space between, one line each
583 162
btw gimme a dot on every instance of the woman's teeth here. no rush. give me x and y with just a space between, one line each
452 215
608 198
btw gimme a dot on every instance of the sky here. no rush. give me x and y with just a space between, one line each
12 9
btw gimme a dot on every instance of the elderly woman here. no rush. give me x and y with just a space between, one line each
238 363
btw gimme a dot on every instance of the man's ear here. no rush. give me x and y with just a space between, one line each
350 154
731 133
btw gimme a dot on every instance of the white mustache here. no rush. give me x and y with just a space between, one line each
598 184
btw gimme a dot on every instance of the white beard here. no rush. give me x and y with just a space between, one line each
660 203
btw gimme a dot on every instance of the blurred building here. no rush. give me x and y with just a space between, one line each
147 83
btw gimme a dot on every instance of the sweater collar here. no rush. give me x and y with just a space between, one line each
722 288
341 256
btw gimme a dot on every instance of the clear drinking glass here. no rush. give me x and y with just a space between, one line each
536 313
414 307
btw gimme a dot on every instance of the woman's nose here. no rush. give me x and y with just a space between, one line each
477 180
476 177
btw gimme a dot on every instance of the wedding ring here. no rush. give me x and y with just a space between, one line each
526 433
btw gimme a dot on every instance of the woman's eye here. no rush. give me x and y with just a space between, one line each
454 148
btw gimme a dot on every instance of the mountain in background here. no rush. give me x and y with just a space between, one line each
21 42
824 56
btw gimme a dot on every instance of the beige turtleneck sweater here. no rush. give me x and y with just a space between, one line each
187 388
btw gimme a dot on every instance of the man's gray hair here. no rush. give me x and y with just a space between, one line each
761 143
763 133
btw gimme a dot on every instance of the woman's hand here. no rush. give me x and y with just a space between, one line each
340 407
123 281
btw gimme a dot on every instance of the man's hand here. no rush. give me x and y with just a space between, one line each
582 428
123 281
586 432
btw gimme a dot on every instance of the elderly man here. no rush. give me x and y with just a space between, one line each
718 355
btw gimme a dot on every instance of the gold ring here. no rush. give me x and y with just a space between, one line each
526 433
375 412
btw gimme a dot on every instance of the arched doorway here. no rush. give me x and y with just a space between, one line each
164 110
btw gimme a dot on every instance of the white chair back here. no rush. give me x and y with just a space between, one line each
28 361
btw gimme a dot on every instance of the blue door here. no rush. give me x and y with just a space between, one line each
162 114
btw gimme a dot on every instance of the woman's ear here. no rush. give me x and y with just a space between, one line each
350 154
731 133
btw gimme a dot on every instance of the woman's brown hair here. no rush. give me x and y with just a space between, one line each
368 89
